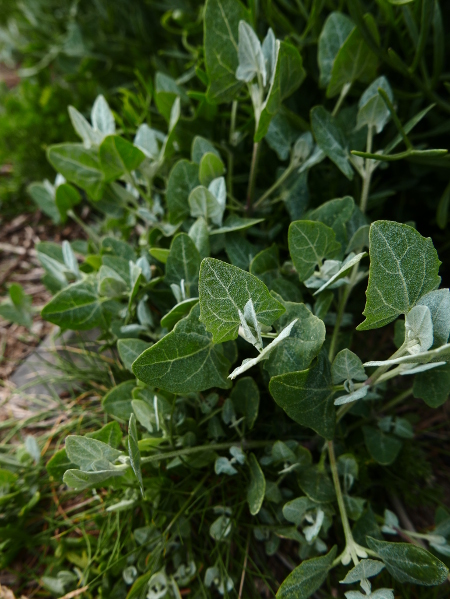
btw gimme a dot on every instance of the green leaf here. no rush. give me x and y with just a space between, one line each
182 179
265 265
331 139
346 367
79 480
118 157
17 308
178 312
224 291
307 577
145 414
316 485
186 360
110 283
372 110
245 398
250 55
433 386
43 194
183 263
289 75
257 487
403 267
211 167
303 344
203 203
78 165
161 254
383 448
239 250
201 146
409 563
221 25
130 349
110 433
365 569
66 197
335 31
84 129
309 243
200 236
236 223
133 451
76 307
355 60
307 397
294 511
90 454
441 213
117 402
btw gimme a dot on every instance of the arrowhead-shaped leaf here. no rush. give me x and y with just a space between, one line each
309 243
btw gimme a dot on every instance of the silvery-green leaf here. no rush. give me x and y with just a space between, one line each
250 329
359 239
390 523
44 196
403 268
200 236
117 402
418 329
69 259
76 307
218 188
311 532
307 577
432 355
130 349
224 466
288 75
84 129
249 363
403 428
78 165
347 265
118 157
307 397
410 369
433 387
302 148
32 448
203 203
295 510
90 454
220 528
101 117
201 146
146 140
183 264
335 31
211 167
178 312
347 366
309 243
186 360
365 569
221 23
354 60
372 110
382 447
269 53
144 413
245 399
182 179
331 139
335 214
224 291
110 283
438 303
409 563
236 223
378 594
250 54
303 344
354 396
348 469
257 487
237 454
79 480
144 313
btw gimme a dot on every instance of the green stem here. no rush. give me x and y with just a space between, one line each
382 369
234 107
86 228
367 172
340 313
252 177
344 92
211 447
275 186
397 399
350 543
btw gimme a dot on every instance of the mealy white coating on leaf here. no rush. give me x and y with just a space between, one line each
418 330
249 363
101 116
270 54
354 396
421 368
250 54
365 569
250 328
420 358
146 140
347 264
438 303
